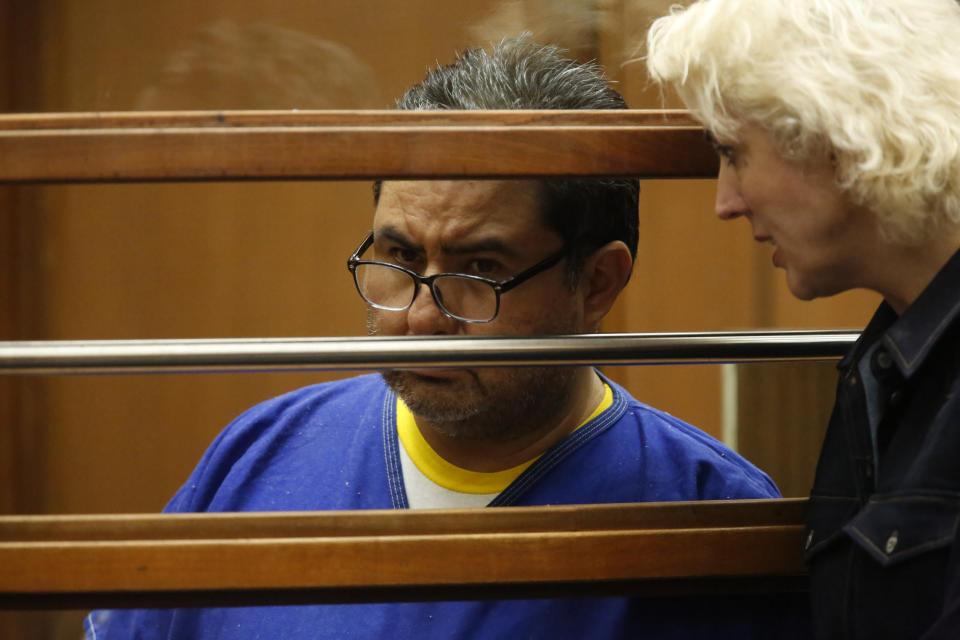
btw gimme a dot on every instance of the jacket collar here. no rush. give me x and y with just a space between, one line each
910 338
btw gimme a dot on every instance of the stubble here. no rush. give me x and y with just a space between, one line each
502 403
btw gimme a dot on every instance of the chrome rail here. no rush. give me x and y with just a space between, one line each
359 353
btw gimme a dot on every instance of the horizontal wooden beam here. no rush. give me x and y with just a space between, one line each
178 146
665 515
343 118
205 559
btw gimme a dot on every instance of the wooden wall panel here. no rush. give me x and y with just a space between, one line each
19 446
690 275
783 412
203 260
17 450
8 416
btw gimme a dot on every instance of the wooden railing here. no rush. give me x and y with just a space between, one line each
125 147
363 556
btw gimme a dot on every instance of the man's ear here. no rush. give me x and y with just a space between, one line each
605 274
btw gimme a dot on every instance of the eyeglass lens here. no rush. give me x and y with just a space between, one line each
389 288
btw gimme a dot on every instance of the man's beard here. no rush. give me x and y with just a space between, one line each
495 404
490 404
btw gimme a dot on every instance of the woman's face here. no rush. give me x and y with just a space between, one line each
820 239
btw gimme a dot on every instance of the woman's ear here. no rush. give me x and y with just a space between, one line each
605 274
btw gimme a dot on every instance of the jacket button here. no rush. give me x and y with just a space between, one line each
852 380
883 359
892 542
896 398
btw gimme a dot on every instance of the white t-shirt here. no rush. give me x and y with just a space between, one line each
434 483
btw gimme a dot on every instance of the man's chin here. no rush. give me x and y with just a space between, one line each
500 404
435 394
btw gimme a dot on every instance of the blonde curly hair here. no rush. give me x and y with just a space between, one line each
874 83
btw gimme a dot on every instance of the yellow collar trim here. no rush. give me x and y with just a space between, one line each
454 478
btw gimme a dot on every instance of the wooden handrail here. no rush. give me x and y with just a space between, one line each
343 118
243 558
277 145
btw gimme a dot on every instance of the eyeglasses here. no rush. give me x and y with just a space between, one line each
461 296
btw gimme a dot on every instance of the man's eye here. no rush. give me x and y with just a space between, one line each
403 256
484 267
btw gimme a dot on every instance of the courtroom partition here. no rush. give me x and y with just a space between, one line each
234 559
166 560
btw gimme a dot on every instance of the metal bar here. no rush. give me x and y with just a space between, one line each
358 353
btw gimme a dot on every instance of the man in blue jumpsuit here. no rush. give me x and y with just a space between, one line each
488 257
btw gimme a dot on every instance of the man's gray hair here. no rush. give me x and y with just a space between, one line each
520 74
516 74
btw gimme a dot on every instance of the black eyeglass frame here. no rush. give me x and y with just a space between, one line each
499 286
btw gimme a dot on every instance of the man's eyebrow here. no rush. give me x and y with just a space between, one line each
485 245
393 234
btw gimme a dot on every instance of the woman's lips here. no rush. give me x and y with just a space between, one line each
776 258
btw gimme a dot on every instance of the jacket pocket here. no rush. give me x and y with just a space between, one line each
826 517
895 528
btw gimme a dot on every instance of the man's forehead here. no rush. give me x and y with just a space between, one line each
455 191
497 206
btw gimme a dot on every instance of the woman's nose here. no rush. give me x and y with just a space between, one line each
729 203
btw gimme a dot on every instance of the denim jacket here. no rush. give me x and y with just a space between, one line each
882 530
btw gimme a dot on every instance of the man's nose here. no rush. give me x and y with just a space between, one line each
424 317
729 203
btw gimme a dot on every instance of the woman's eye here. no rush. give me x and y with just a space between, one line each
727 153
